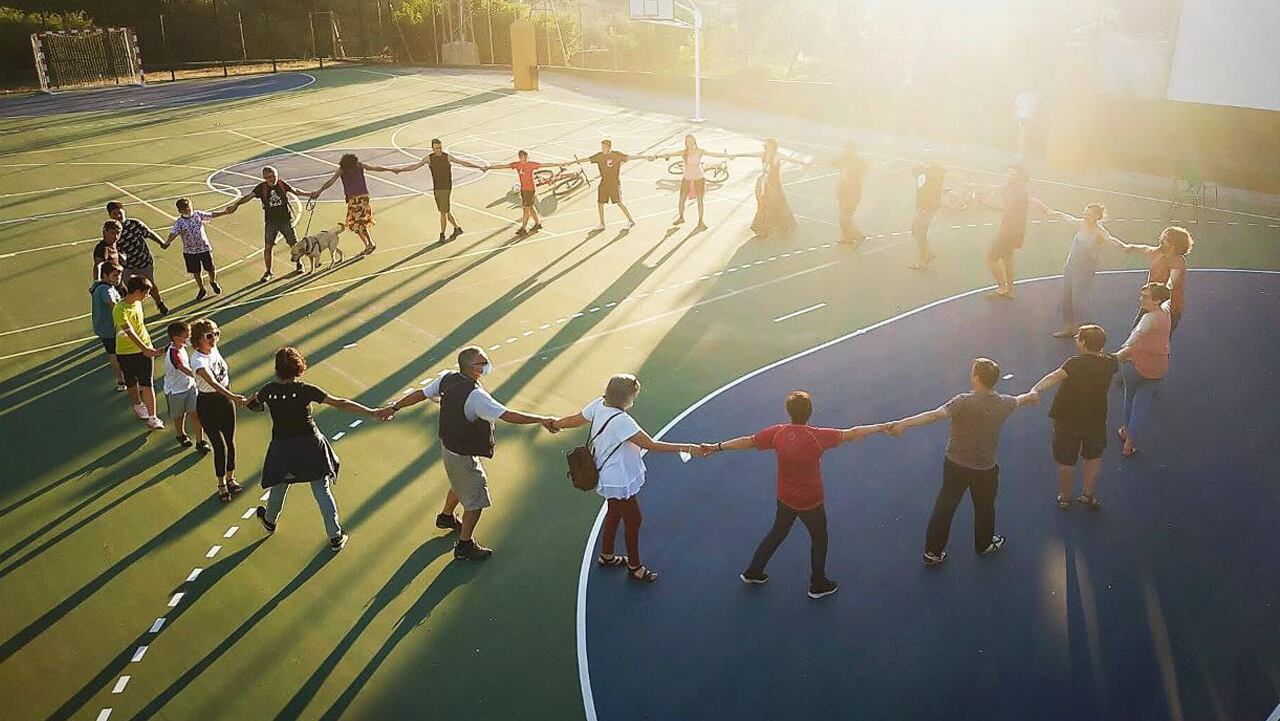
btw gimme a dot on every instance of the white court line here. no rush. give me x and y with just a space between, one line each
588 555
155 627
213 551
1275 715
138 653
175 599
120 684
802 311
231 532
147 203
103 715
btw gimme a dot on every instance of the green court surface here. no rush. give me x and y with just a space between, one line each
103 525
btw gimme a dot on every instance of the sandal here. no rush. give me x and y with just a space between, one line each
233 486
1128 451
1124 436
604 560
641 574
224 493
1064 502
1090 502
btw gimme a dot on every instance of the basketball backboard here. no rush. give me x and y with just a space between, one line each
660 11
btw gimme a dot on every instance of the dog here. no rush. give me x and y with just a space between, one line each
312 245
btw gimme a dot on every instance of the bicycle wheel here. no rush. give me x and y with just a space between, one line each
676 168
954 199
543 176
717 174
568 185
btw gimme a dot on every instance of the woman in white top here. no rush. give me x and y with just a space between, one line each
1082 264
692 184
216 404
617 441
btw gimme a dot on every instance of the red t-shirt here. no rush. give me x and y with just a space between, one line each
799 449
525 172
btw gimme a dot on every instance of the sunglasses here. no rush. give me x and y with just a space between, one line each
213 334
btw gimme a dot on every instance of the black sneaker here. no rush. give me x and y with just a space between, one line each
997 542
266 277
448 520
271 527
933 559
338 542
442 239
825 587
202 295
164 309
203 446
754 577
521 232
216 290
457 230
536 227
185 441
470 551
297 267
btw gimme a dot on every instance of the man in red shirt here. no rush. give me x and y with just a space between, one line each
799 448
524 171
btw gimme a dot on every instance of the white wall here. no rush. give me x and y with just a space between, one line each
1228 53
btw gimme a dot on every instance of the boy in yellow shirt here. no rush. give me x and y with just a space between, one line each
134 350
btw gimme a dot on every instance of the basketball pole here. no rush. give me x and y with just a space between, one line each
692 8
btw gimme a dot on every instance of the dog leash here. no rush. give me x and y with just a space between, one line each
311 213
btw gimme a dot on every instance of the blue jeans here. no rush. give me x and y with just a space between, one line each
1138 393
324 499
1077 284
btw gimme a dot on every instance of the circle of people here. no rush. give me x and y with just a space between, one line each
197 384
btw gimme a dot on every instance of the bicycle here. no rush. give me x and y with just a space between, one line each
958 193
716 173
562 182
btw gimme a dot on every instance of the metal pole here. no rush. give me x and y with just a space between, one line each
217 31
271 43
488 6
315 49
164 40
244 50
697 58
582 38
435 50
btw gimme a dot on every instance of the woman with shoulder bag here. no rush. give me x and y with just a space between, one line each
616 443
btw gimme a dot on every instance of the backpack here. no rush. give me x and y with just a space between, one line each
583 471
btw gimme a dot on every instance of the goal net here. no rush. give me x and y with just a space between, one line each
87 58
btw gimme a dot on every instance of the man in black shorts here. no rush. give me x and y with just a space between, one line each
1079 413
273 191
609 162
134 235
442 184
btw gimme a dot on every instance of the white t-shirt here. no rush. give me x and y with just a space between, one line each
622 474
175 381
215 364
479 403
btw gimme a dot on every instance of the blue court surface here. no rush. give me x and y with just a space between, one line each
148 97
1164 604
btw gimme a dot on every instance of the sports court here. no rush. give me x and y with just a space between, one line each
131 592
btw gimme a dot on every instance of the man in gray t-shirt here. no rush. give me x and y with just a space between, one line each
970 462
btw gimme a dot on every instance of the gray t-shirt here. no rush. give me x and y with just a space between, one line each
976 419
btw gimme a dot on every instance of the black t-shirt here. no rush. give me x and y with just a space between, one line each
929 186
441 171
1013 223
133 244
290 405
610 165
275 201
1083 395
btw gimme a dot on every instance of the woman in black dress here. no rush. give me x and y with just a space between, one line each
299 452
773 215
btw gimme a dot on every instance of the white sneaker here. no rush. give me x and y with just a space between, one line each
155 423
599 227
141 411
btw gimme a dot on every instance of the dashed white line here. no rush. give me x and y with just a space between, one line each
157 625
138 653
231 532
195 572
264 495
355 423
174 600
511 340
104 714
120 684
802 311
248 513
337 437
349 345
213 552
495 346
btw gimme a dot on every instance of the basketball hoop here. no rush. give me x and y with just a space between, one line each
663 12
